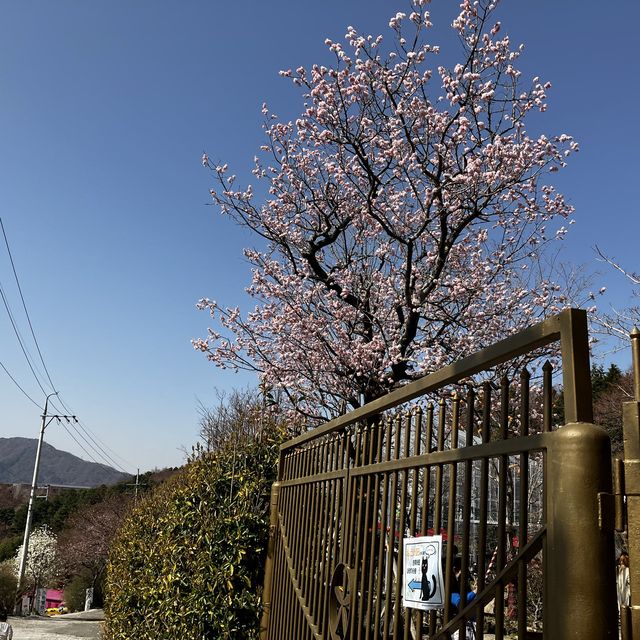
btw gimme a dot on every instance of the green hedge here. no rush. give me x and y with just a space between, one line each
8 586
188 562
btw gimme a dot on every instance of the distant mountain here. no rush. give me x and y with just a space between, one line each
17 457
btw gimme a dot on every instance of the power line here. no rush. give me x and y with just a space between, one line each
19 387
64 426
91 433
95 445
28 357
24 306
101 446
22 346
32 366
106 458
78 426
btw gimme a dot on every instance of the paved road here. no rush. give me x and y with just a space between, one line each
57 628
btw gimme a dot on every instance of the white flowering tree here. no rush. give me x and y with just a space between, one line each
406 217
42 558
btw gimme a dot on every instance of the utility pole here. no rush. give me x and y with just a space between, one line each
137 485
46 420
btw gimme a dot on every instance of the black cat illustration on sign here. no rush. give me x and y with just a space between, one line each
427 591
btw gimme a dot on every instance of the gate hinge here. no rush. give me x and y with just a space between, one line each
609 516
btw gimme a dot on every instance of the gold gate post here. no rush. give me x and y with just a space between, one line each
630 616
580 596
268 568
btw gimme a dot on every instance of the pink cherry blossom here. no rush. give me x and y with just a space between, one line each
404 217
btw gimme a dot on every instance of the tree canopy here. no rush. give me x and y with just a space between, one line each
406 216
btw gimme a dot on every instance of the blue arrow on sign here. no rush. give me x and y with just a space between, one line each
414 585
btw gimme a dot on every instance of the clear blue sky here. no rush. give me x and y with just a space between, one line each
105 111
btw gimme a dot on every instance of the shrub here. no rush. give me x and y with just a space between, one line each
75 592
188 561
9 547
8 586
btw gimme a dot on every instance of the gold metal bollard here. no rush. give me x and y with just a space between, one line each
580 573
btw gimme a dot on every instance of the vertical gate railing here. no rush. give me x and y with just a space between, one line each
477 458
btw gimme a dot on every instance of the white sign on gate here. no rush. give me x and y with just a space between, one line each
423 586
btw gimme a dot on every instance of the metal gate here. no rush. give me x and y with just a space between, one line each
475 457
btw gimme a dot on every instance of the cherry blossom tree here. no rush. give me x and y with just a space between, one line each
405 219
85 543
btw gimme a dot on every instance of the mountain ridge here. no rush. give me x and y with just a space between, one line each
17 457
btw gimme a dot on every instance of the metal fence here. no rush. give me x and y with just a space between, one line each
469 453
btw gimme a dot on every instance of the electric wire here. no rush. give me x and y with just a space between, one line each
99 444
18 385
24 306
87 442
32 366
91 439
77 442
78 426
18 336
91 434
27 355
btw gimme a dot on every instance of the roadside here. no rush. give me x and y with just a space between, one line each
67 627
